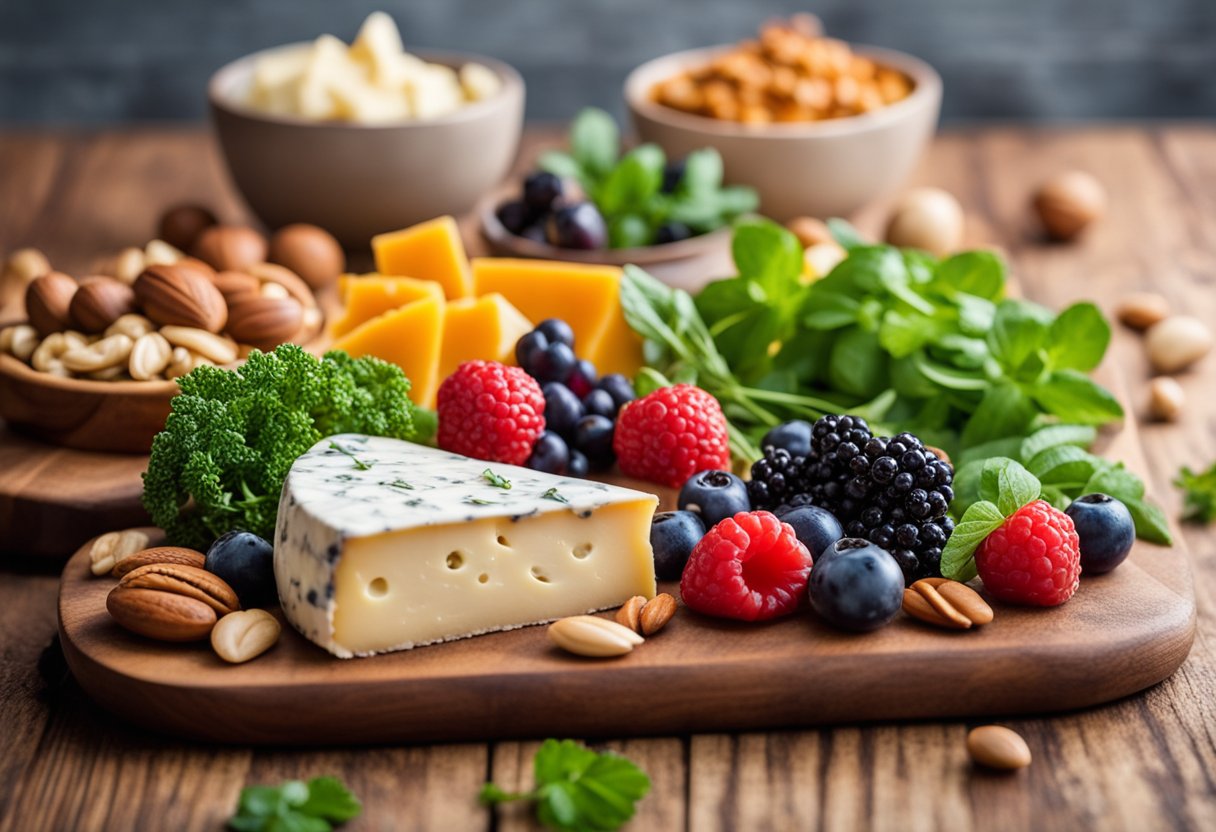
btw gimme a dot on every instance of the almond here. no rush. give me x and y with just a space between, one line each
629 613
1175 343
230 247
99 302
1069 202
587 635
657 612
158 554
48 300
164 616
244 635
233 285
946 603
1140 310
264 322
996 746
180 296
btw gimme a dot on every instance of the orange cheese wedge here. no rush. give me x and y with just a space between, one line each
480 328
370 295
431 250
410 337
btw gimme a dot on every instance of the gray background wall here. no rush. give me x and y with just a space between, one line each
95 61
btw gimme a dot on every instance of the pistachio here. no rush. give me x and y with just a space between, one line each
996 746
1166 399
1177 342
112 548
111 351
244 635
587 635
149 356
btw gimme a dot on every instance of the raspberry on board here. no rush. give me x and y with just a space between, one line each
751 567
671 434
1033 558
490 411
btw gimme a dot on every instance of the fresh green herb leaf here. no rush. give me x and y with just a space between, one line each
578 789
496 480
1078 338
1150 521
767 254
702 172
295 806
402 484
1199 494
979 521
633 182
1076 397
1018 329
595 141
845 234
1004 411
555 495
977 273
477 501
1049 437
1008 484
360 465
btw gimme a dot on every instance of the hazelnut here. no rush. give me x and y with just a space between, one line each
99 302
1069 202
810 231
230 247
47 302
264 322
181 225
310 252
1176 343
234 284
929 219
1166 399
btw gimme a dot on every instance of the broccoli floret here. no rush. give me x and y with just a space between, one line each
232 435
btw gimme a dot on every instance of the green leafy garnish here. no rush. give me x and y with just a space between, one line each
402 484
1004 487
496 480
232 435
295 806
555 495
628 190
578 789
477 501
360 464
1199 494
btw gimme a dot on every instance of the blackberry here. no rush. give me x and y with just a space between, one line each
892 491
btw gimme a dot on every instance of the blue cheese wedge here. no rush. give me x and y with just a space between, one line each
386 545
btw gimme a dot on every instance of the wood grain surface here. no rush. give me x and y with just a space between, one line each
1143 763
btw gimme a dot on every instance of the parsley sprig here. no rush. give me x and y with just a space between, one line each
295 806
496 480
578 789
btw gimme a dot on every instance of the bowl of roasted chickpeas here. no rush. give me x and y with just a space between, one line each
818 126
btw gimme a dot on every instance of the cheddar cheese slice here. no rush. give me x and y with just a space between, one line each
480 328
410 337
371 295
431 250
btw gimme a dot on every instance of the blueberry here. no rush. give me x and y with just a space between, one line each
582 380
528 347
673 534
715 495
562 409
541 190
816 527
617 386
578 226
578 466
1106 530
856 585
593 436
554 363
673 172
550 454
535 232
671 232
794 437
246 563
557 331
515 216
599 402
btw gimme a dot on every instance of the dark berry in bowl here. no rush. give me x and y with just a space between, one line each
715 495
246 563
593 436
579 466
541 190
794 437
601 403
562 409
515 216
579 226
535 232
528 347
582 380
550 454
856 585
617 386
816 527
1106 530
672 232
554 363
557 331
673 534
673 173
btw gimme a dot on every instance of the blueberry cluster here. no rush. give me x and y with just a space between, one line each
580 407
892 491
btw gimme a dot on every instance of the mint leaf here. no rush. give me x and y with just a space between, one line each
295 806
561 164
329 799
1018 330
1078 338
1003 411
1116 481
1150 521
1075 397
979 273
1007 484
1199 494
766 253
979 521
845 234
1064 463
1053 435
635 179
496 480
702 172
595 141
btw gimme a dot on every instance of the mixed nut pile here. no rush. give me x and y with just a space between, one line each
157 313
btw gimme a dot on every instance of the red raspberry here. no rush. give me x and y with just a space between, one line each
1033 558
490 411
750 566
670 435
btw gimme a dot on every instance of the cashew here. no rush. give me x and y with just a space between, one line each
24 341
215 348
183 361
129 264
111 351
48 352
110 373
131 325
149 356
160 253
25 264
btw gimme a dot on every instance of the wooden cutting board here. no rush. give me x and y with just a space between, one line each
1121 633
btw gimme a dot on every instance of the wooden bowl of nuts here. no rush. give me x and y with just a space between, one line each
93 364
818 127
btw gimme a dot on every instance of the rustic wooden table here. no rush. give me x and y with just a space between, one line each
1148 762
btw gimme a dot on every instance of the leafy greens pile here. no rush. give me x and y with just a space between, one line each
295 806
628 190
232 435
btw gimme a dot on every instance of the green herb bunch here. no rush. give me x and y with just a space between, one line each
628 190
1199 494
232 435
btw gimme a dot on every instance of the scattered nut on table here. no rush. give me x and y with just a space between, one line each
946 603
170 602
587 635
113 547
656 613
1166 399
244 635
998 747
1177 342
1068 203
927 218
1140 310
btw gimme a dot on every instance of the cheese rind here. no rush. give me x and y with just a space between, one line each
386 545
